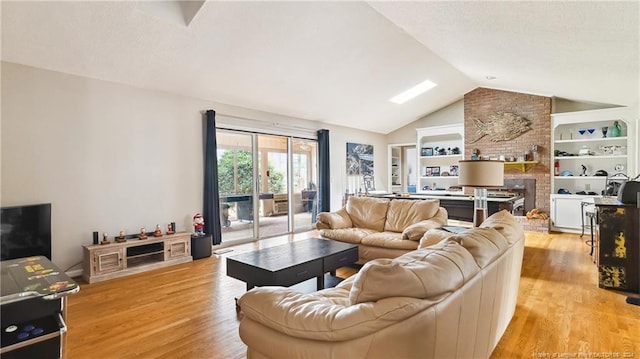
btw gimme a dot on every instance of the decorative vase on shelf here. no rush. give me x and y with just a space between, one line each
615 130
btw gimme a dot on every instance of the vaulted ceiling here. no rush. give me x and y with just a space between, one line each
336 62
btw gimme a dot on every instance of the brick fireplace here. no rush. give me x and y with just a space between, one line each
481 103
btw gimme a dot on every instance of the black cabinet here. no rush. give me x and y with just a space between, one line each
201 246
618 245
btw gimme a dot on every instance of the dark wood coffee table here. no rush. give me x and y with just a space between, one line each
292 263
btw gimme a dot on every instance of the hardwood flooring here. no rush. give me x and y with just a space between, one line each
561 312
188 311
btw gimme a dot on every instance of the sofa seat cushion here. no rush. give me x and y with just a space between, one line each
349 235
404 212
325 315
506 224
484 244
429 273
388 240
368 212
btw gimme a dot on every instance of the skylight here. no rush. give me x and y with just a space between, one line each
416 90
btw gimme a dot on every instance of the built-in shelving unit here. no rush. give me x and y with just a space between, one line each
439 150
395 168
608 154
578 140
402 162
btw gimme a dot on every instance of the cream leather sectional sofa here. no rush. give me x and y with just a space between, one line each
452 299
381 227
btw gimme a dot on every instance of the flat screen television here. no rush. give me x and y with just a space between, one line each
25 231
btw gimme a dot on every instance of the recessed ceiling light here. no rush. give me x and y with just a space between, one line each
413 92
490 77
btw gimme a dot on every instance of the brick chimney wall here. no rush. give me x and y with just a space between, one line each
481 103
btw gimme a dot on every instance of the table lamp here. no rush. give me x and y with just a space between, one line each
480 174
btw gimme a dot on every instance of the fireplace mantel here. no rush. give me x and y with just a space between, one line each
524 166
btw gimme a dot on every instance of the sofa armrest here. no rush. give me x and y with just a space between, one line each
334 220
325 315
415 231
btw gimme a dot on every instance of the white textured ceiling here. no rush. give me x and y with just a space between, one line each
336 62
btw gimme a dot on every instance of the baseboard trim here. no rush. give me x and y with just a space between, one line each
74 273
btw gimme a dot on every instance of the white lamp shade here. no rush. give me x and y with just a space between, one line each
481 173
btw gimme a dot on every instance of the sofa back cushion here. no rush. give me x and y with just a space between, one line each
424 274
404 212
505 223
368 212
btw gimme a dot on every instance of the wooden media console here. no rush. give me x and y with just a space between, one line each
103 262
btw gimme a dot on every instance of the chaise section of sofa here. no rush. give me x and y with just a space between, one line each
382 228
453 299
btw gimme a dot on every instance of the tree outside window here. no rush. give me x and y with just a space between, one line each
235 173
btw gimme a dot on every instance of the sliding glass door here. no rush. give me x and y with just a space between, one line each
267 184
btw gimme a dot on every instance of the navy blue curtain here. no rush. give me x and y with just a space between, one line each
211 207
324 176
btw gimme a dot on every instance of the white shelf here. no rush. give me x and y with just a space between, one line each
573 195
438 177
442 156
598 157
580 177
601 139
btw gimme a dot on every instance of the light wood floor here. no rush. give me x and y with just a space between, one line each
187 311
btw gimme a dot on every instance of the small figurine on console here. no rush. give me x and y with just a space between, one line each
198 224
121 237
170 229
157 232
105 239
143 234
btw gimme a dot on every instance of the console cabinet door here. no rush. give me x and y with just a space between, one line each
566 212
108 260
177 248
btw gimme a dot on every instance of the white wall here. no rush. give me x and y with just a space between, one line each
448 115
111 157
560 105
339 139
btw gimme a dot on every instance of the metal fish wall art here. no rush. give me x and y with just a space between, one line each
503 126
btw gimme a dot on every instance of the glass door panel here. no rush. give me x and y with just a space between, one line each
267 184
235 184
273 176
305 180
